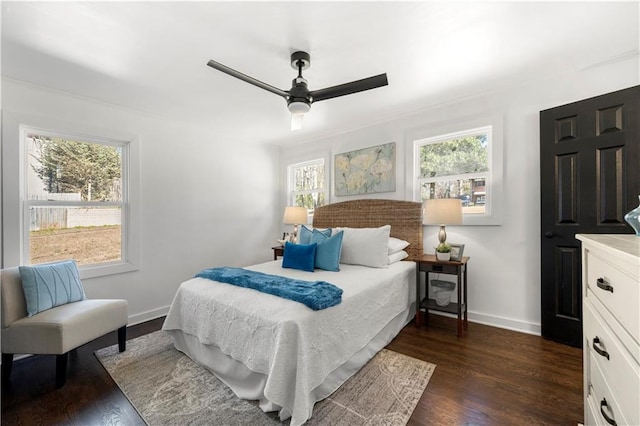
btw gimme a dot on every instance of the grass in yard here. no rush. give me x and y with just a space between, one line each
86 245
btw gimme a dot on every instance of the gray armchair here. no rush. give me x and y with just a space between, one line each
55 331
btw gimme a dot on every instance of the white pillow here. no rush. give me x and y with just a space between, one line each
397 256
396 244
366 246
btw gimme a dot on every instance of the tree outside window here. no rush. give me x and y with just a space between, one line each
306 184
66 166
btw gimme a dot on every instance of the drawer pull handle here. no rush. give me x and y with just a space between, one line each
604 285
609 420
601 352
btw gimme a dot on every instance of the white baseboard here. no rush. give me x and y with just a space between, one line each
148 315
500 322
507 323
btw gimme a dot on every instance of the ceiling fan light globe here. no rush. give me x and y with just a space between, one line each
297 107
296 121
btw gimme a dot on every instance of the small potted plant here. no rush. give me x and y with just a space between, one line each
443 251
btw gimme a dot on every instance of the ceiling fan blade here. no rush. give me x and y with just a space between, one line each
349 88
225 69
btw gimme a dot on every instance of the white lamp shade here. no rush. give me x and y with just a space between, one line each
442 211
294 215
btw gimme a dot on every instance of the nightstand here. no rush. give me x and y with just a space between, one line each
277 251
428 263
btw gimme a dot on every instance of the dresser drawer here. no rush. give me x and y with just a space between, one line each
602 399
618 291
592 414
608 358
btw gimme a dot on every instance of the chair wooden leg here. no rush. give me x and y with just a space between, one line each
61 369
7 364
122 338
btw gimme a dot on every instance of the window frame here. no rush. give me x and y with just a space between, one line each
129 260
494 176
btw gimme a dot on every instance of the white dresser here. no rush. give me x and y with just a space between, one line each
611 328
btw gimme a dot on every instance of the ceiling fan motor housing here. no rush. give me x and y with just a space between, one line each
299 100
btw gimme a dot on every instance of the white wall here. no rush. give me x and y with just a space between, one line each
206 199
504 269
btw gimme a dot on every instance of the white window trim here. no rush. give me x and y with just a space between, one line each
14 202
494 207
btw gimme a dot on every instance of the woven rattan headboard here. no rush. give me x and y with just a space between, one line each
405 218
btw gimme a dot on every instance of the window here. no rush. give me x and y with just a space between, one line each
306 187
76 199
459 165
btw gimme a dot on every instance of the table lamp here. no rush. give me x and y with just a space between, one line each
442 211
295 216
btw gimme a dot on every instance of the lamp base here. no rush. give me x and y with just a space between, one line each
442 235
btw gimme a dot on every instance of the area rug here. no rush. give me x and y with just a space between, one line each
167 388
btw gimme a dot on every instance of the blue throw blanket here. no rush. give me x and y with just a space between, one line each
315 294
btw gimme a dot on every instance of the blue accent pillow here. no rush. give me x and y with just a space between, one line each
50 284
304 236
328 251
299 256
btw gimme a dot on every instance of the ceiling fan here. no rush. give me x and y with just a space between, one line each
299 98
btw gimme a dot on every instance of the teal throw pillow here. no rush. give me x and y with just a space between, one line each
299 256
51 284
304 236
328 251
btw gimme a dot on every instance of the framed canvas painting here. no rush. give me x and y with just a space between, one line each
366 171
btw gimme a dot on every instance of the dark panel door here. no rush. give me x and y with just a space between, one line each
589 179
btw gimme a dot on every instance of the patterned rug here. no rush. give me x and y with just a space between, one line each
167 388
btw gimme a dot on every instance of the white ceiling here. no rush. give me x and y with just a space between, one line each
151 56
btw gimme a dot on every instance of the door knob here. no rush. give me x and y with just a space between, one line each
548 234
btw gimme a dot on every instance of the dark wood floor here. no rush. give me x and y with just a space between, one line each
493 376
490 376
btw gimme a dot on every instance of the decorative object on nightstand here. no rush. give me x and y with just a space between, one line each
295 216
456 251
443 251
633 218
442 211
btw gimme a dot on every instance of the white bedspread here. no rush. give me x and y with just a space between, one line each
293 345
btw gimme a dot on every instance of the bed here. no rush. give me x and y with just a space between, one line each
283 354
